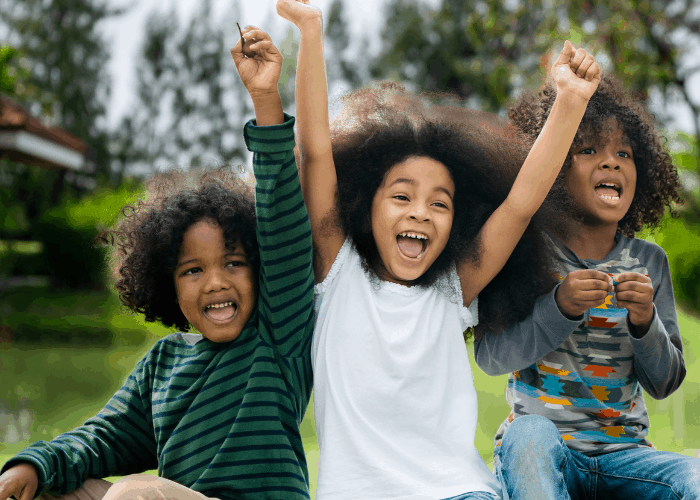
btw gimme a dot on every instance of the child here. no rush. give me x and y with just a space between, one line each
579 362
217 412
395 407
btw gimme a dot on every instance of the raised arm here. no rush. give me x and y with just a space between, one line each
286 295
577 76
318 179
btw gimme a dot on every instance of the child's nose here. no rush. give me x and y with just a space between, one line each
419 212
610 160
216 280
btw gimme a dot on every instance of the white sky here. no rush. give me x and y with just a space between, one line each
365 16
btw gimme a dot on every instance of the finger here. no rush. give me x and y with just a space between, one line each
248 28
578 58
634 286
265 45
566 54
597 296
585 64
27 493
594 284
237 54
582 274
593 73
257 34
626 277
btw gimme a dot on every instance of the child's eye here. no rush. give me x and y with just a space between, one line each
440 204
235 263
192 270
588 151
401 197
624 154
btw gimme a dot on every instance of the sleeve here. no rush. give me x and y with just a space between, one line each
522 344
286 292
119 440
658 356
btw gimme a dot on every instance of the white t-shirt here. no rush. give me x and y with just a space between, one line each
394 401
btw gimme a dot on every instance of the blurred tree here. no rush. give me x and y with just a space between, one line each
66 55
485 51
344 68
191 106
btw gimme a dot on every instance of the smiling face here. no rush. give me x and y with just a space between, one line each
216 287
412 214
602 180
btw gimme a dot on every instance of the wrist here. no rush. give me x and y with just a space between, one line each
268 109
564 312
570 99
311 25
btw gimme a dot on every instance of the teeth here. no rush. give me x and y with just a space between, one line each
604 184
218 306
608 197
414 235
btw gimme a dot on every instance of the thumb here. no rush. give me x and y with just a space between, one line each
566 54
237 53
27 493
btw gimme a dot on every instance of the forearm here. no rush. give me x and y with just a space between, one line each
311 94
658 355
523 344
118 441
284 239
268 109
658 363
547 155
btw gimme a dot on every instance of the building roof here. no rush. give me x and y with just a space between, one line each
24 139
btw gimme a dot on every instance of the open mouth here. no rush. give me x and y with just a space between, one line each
221 312
412 244
609 191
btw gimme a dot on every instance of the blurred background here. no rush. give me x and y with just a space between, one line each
98 95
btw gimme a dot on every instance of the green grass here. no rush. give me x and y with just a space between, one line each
66 384
26 247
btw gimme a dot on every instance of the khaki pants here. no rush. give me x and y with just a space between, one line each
135 487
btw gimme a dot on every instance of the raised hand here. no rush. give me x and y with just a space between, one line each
576 71
260 73
299 12
634 292
20 481
581 290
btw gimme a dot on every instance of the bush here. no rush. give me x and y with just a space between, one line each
68 234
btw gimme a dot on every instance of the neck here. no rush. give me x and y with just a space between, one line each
593 242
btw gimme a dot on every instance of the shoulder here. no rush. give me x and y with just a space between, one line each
346 257
644 250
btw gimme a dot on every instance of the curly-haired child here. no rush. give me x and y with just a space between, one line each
216 411
398 264
579 363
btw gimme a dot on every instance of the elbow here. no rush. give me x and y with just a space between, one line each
664 391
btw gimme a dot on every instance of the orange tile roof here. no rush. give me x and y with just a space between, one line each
15 117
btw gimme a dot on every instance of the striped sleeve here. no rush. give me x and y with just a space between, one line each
284 238
118 440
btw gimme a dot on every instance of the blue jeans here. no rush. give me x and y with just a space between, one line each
475 495
533 462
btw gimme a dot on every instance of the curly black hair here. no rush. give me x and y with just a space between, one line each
382 125
658 185
147 239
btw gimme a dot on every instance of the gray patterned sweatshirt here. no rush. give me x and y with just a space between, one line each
586 375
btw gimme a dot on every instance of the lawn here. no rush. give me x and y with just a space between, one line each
71 350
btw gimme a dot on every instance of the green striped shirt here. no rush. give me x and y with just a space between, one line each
222 419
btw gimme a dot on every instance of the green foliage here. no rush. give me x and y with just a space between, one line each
68 235
65 52
191 105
